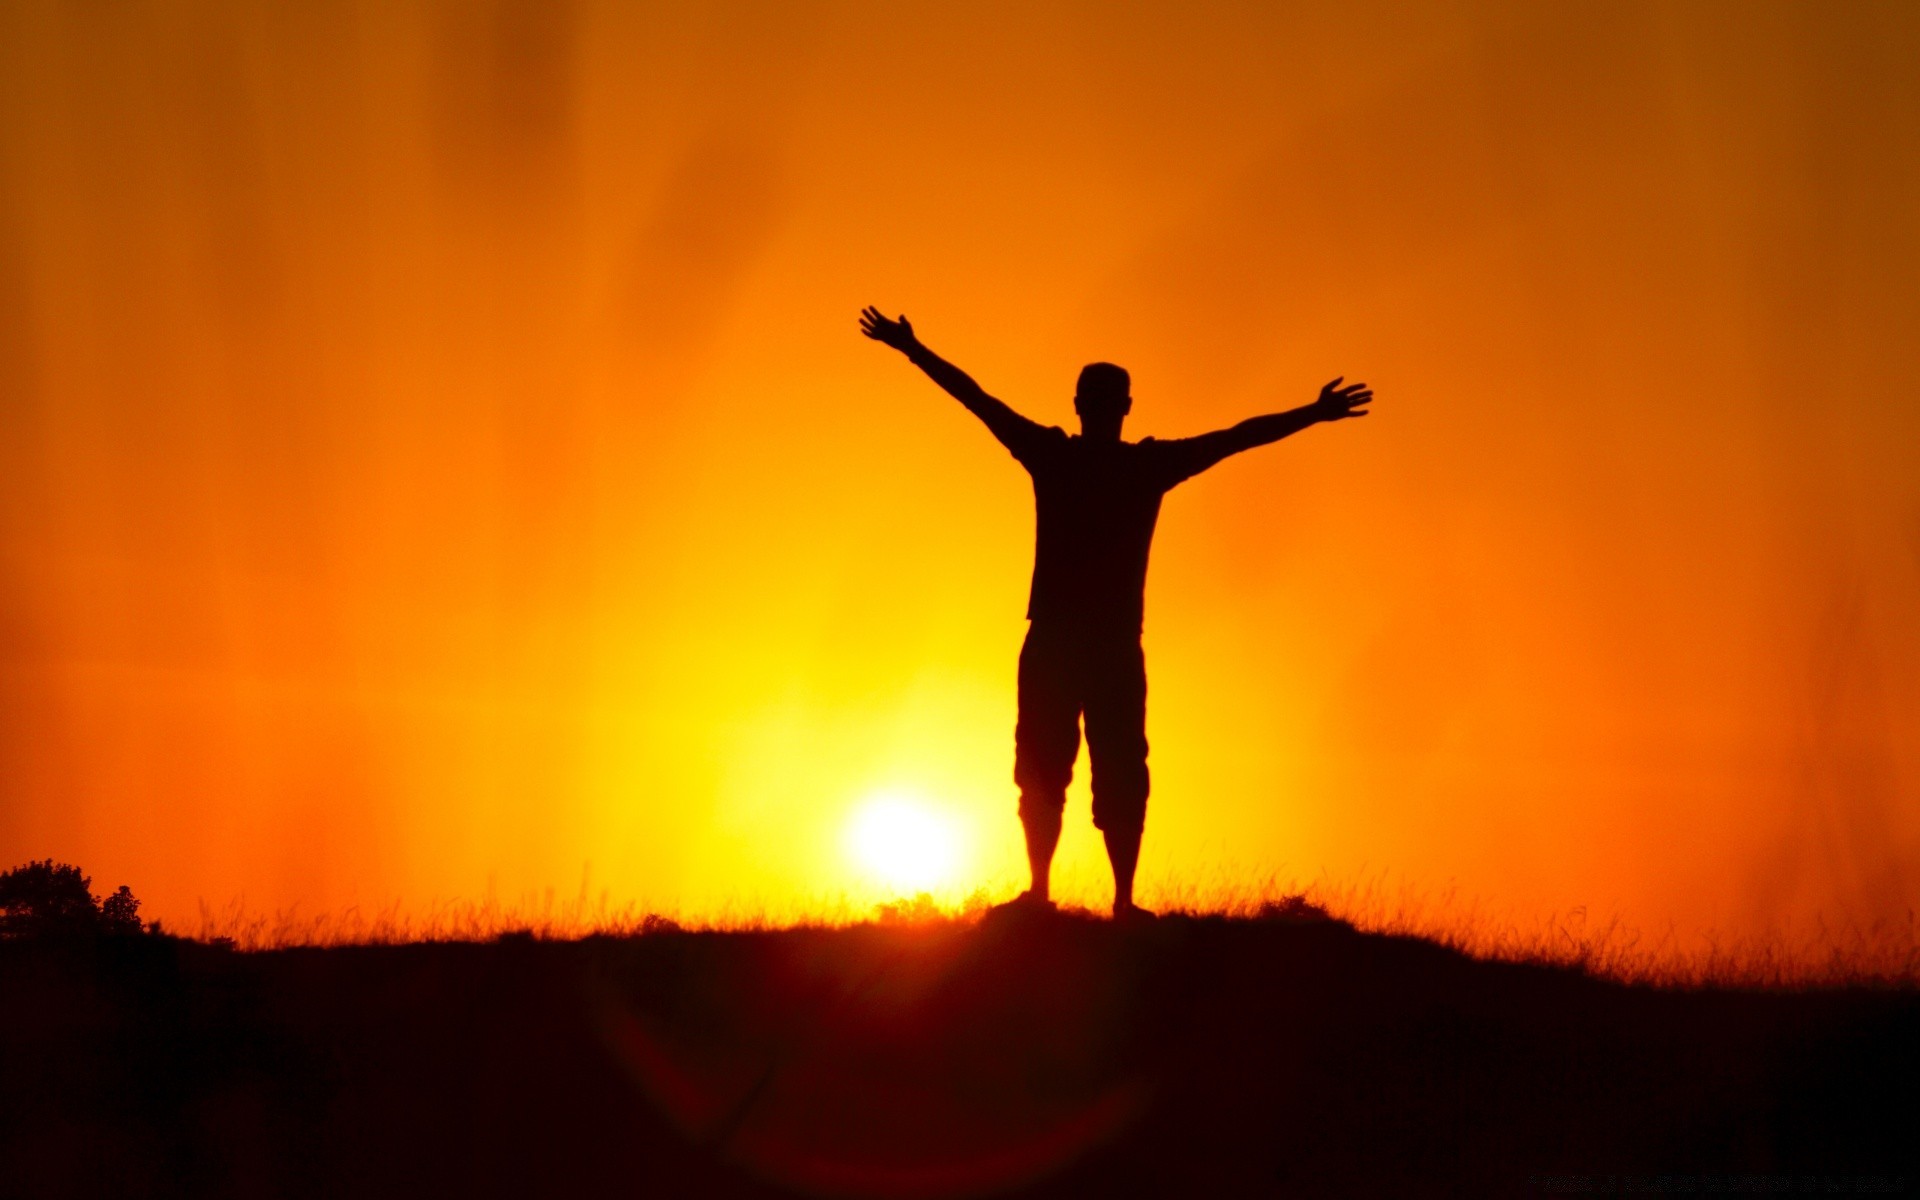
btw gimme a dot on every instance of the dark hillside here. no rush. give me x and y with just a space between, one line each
1194 1057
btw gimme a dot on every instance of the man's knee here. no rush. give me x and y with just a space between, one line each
1120 815
1120 792
1043 759
1042 804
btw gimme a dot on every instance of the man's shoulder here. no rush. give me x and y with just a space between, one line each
1040 446
1052 437
1163 462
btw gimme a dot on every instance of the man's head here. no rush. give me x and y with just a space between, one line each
1103 398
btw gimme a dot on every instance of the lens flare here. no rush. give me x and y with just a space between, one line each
900 840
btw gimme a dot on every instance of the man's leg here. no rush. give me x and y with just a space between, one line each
1123 851
1117 744
1041 822
1045 741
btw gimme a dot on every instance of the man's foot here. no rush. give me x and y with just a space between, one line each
1126 912
1027 904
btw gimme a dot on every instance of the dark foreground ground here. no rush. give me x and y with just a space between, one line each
1069 1058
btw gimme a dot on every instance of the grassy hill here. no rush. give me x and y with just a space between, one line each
1057 1057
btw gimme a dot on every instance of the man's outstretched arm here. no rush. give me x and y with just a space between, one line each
1336 403
1014 431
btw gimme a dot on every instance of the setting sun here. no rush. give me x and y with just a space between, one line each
900 840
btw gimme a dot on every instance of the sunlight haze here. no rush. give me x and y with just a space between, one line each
438 458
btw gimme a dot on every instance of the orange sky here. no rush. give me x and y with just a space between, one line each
436 452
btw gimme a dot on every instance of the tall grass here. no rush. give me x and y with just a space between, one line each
1879 954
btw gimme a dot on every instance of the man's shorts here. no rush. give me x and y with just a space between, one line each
1065 673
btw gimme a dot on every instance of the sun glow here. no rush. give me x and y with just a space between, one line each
901 840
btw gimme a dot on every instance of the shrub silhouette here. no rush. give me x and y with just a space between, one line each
1297 909
49 899
120 913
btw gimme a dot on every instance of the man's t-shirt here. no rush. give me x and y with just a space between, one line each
1095 504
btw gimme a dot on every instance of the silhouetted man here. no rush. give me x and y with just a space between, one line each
1096 499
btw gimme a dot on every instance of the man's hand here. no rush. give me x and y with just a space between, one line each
1337 403
898 334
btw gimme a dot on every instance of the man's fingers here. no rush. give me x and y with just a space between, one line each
1332 383
882 328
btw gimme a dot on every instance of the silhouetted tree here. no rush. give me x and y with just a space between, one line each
49 899
120 913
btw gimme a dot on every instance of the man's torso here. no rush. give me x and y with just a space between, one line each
1095 505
